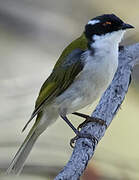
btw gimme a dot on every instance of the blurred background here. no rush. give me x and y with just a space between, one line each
32 35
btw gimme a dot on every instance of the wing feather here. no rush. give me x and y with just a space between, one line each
63 74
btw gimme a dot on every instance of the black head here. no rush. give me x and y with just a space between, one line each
104 24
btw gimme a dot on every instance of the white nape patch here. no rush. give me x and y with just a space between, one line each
92 22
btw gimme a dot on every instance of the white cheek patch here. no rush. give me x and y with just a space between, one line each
92 22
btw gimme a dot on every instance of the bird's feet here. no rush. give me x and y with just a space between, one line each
89 119
81 135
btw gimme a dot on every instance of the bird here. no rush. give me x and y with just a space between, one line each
82 73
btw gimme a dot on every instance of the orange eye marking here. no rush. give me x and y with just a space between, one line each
106 23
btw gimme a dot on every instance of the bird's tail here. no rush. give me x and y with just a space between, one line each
17 163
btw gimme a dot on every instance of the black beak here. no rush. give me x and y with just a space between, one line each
126 26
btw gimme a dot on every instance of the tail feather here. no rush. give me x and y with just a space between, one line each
17 163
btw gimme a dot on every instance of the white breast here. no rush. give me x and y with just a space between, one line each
98 73
89 85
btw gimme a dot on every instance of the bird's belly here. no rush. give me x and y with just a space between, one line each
89 85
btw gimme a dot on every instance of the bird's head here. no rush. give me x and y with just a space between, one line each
107 26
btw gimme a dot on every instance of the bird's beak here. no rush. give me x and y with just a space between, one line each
126 26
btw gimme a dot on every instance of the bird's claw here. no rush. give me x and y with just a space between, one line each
121 47
72 141
81 135
92 119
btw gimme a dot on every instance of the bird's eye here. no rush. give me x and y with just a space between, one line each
106 23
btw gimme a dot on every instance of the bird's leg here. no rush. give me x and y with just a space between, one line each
89 119
78 134
70 124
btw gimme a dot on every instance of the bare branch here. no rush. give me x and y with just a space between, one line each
106 110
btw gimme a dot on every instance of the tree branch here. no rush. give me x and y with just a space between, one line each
106 109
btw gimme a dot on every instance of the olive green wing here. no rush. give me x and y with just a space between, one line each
79 43
65 71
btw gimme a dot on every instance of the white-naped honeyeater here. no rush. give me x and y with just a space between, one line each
82 73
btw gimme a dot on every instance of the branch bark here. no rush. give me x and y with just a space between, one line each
106 109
